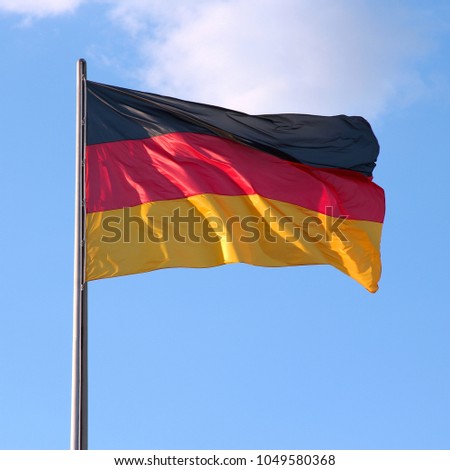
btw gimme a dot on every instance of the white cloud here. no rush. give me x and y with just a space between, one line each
39 8
312 56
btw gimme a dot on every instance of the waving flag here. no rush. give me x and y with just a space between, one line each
172 183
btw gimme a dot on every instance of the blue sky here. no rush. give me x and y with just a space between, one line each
235 357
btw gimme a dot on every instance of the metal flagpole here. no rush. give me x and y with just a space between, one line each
79 422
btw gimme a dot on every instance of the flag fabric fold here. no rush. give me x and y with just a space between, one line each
172 183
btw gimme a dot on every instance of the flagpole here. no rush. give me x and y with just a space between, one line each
79 421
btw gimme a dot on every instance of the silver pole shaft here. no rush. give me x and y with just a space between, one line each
79 424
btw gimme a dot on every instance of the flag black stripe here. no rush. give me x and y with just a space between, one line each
345 142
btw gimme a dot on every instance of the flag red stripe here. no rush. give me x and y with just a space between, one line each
177 165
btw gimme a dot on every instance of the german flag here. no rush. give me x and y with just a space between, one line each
172 183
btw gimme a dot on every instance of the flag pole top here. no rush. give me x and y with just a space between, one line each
81 65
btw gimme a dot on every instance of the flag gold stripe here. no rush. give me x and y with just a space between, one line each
209 230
